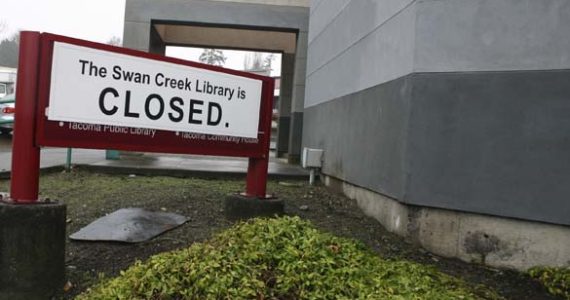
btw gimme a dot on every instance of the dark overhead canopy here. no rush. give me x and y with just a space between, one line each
223 37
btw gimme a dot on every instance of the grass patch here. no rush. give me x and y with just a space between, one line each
283 258
556 280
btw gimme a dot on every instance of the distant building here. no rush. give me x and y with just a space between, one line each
7 80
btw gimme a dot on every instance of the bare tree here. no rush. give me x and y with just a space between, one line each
213 57
115 41
3 26
268 61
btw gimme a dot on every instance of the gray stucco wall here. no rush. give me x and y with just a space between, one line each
492 35
457 104
363 44
355 45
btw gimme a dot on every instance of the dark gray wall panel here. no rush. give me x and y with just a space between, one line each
363 135
494 143
295 137
283 127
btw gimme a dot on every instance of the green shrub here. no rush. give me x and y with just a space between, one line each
283 258
556 280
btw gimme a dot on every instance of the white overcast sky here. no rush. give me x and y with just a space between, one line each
94 20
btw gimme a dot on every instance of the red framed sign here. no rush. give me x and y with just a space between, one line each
94 95
84 94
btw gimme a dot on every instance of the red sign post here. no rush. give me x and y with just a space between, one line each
25 153
203 105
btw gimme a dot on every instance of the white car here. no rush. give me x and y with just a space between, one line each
7 109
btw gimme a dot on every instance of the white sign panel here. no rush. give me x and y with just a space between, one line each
101 87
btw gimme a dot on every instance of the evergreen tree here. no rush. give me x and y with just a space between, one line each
9 51
213 57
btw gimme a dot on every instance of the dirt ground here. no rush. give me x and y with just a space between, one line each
89 196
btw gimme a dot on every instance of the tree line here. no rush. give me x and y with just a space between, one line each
9 51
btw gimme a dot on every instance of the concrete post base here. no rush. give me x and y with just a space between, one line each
32 251
239 207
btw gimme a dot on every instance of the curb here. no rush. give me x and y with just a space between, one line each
43 171
180 173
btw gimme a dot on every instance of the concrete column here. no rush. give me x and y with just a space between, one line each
32 251
136 35
298 100
285 97
156 45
